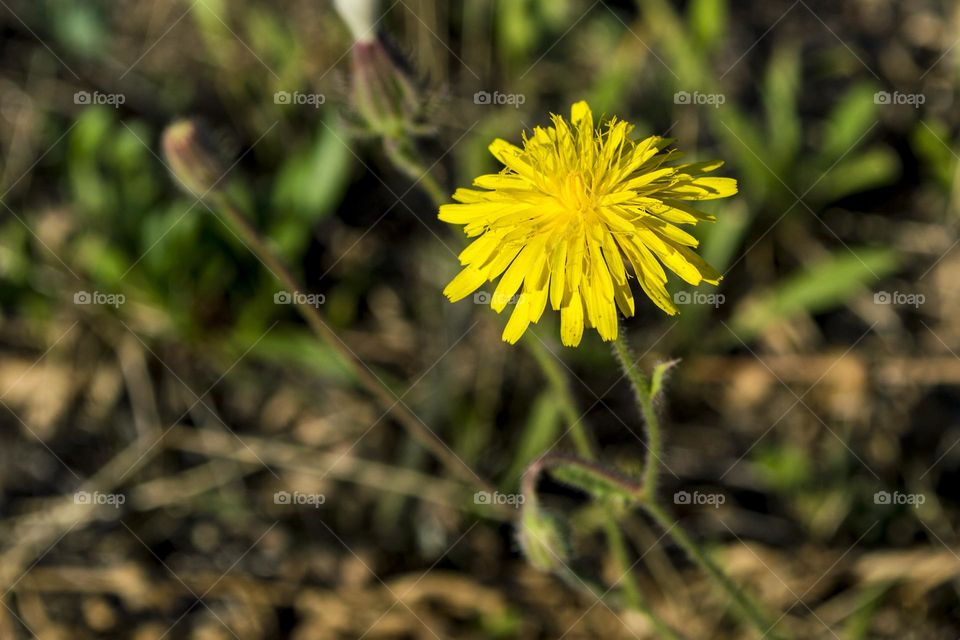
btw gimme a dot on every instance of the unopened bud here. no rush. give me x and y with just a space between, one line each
544 539
385 95
192 157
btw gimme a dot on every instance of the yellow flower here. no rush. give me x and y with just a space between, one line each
566 210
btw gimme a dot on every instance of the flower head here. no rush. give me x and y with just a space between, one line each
193 158
384 93
385 96
569 212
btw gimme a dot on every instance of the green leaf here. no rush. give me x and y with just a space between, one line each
286 347
708 21
784 467
81 28
747 144
105 264
90 135
822 286
850 119
658 375
930 143
312 181
781 85
870 169
540 432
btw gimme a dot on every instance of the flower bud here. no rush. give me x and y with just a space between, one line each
192 158
384 94
544 539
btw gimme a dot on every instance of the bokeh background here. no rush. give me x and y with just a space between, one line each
143 358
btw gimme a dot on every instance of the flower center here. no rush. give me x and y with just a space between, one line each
575 195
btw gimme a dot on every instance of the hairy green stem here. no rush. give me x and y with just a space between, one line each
584 446
748 610
589 475
641 390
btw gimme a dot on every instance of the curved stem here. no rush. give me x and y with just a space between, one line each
748 610
641 390
584 446
239 223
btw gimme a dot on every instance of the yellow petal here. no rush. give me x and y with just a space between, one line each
672 233
464 213
501 181
701 167
538 303
572 205
601 312
575 259
513 278
571 321
480 250
599 272
580 111
468 196
624 297
707 189
511 156
676 261
502 259
617 198
674 211
658 293
518 322
642 260
613 258
558 274
465 283
647 178
707 272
